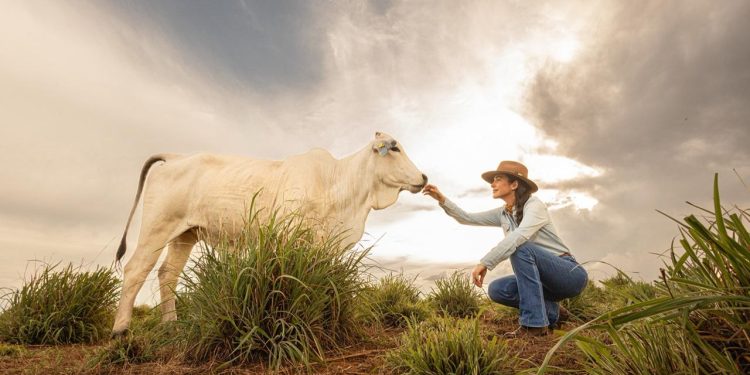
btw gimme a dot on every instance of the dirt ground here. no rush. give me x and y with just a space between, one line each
364 358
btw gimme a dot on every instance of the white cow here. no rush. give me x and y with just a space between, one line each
188 195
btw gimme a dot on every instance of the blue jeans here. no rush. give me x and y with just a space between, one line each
541 279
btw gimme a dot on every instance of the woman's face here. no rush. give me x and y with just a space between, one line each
502 188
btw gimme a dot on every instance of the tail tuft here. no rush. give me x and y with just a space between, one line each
121 249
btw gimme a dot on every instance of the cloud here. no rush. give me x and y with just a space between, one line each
657 99
267 46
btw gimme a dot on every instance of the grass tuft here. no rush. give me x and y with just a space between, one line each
10 351
624 291
147 341
455 296
394 300
130 349
279 292
450 346
592 302
617 292
60 306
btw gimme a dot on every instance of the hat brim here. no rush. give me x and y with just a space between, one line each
489 176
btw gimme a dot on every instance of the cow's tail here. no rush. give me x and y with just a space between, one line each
144 172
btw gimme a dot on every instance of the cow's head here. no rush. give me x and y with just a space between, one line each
393 168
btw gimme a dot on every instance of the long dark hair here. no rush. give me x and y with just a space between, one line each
523 192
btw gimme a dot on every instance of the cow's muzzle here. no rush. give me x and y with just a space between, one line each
417 188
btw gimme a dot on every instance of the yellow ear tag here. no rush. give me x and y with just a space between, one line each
382 149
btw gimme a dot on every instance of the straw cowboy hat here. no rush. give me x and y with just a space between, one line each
512 168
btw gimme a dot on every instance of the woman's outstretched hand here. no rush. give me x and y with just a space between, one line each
433 191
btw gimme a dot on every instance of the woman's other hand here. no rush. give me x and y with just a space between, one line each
433 191
477 275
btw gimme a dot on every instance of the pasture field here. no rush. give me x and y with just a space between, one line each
367 356
279 300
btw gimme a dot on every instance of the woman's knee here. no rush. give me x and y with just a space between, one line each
579 281
583 279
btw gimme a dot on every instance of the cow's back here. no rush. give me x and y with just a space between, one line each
207 190
215 192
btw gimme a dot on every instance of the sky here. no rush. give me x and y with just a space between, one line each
619 109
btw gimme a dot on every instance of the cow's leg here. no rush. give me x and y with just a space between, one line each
150 246
177 256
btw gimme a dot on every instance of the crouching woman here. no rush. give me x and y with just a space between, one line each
544 270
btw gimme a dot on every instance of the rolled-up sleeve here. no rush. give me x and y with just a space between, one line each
485 218
535 216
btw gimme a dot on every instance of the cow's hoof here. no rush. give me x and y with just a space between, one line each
119 334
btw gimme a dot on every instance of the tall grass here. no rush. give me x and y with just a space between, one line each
455 296
60 306
450 346
702 307
278 292
394 300
647 348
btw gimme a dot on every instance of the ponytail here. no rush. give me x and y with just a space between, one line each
523 193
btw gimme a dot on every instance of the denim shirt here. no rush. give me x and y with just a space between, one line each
536 227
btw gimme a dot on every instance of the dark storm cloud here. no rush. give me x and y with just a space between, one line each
258 45
658 100
662 76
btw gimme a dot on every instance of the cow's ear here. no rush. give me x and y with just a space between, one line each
377 134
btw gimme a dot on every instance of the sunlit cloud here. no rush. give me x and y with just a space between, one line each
557 199
565 50
555 168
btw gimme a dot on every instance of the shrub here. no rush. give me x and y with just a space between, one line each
277 292
60 307
394 300
455 296
449 346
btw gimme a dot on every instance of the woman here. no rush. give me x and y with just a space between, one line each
544 271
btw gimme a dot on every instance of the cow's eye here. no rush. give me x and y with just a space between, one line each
395 149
